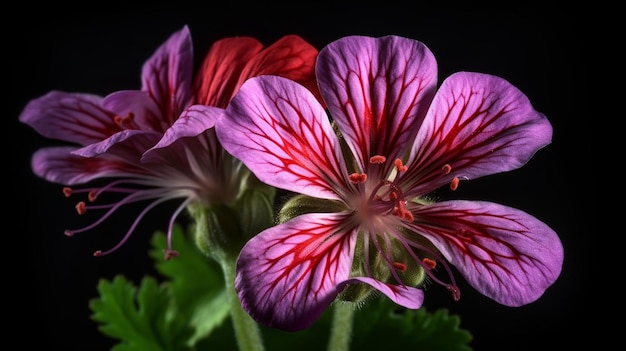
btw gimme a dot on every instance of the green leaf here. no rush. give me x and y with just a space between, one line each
379 324
140 319
383 324
197 284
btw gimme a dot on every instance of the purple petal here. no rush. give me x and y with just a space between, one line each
478 125
193 121
405 296
72 117
60 165
138 107
280 131
378 91
128 145
289 274
503 253
167 76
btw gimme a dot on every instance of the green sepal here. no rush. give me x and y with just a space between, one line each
255 208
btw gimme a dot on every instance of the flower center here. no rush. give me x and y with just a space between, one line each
400 254
385 197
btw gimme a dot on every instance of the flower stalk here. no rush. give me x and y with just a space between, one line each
341 328
211 227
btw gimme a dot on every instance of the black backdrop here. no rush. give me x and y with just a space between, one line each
52 277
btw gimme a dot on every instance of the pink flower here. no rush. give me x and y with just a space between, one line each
158 144
364 219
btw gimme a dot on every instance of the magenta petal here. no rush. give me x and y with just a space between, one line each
504 253
72 117
194 121
289 274
402 295
167 76
128 145
59 165
377 88
478 125
280 131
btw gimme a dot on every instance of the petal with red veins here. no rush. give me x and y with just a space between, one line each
504 253
194 121
168 74
216 81
72 117
378 91
60 165
290 57
280 131
138 107
289 274
478 125
128 145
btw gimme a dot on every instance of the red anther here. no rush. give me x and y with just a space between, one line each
169 254
68 233
446 169
399 266
97 253
401 211
407 215
462 232
399 166
92 196
81 208
394 195
358 177
454 290
378 159
430 264
454 184
67 191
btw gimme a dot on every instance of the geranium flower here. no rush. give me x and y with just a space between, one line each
364 218
158 143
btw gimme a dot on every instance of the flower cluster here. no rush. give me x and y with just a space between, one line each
360 132
158 143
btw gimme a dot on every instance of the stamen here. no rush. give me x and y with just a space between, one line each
69 233
357 177
431 264
454 290
454 184
126 122
92 196
81 208
67 191
169 254
399 266
378 159
446 168
399 166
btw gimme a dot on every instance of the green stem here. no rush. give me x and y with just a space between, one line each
341 330
246 329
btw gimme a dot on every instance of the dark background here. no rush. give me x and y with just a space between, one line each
52 277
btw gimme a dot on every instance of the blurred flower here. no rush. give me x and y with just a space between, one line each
158 143
364 220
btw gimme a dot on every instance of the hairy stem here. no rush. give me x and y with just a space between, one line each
341 329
